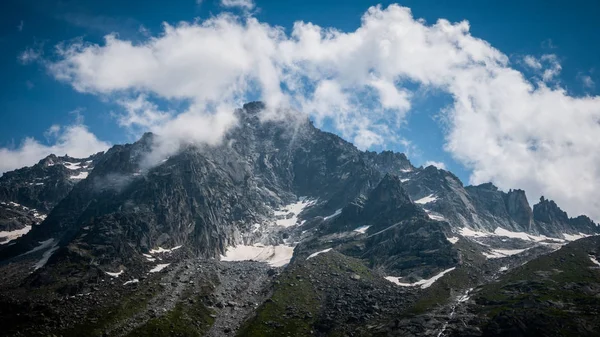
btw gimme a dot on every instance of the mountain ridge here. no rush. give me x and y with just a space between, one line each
346 223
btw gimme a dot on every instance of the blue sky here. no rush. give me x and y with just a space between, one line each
32 99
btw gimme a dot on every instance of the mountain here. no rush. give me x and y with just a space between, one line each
28 194
282 229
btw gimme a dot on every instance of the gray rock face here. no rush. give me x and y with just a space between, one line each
371 215
46 183
518 209
551 220
207 198
485 207
204 197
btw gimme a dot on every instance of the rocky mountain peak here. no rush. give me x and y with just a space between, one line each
518 208
254 107
548 211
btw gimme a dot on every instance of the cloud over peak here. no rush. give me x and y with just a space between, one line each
505 128
75 140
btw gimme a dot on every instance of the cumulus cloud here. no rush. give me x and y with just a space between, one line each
508 130
437 164
75 140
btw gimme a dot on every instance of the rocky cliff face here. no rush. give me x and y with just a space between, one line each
44 184
552 220
341 215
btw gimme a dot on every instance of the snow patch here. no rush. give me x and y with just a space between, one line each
72 166
336 213
43 245
500 253
465 297
161 250
131 282
318 253
80 175
426 200
12 235
453 240
294 209
361 229
45 257
159 267
523 236
404 180
573 237
465 231
115 274
594 260
422 283
503 269
149 257
276 256
435 216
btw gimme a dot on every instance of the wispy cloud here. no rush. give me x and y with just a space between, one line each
586 81
437 164
547 65
31 54
244 4
21 26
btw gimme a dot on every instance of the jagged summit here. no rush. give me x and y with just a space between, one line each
367 237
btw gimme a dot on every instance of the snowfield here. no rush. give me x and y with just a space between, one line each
295 208
276 256
574 237
501 232
500 253
12 235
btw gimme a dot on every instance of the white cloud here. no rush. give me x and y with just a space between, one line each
587 81
507 129
21 26
437 164
30 55
244 4
532 62
75 140
553 69
52 131
547 65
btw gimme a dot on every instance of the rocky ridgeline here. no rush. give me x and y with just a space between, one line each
368 230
